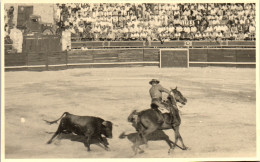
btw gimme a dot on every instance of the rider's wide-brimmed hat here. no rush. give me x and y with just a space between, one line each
154 81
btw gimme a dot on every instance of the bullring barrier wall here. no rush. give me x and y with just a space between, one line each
166 44
200 57
44 53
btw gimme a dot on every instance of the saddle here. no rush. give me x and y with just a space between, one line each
166 116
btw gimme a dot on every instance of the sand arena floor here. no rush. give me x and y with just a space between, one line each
218 121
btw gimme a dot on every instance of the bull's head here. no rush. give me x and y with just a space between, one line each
107 129
178 96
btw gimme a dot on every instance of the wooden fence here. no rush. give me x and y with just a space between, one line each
44 53
166 44
236 57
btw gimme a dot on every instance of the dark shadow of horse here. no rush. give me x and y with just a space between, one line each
157 135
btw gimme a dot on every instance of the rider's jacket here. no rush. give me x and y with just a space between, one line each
156 91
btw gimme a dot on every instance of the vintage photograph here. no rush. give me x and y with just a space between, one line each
129 80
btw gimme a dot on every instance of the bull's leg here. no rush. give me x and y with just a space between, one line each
59 130
88 142
101 140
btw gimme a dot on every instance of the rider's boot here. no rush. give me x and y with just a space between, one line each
160 116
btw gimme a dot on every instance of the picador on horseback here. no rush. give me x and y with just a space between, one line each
149 120
157 103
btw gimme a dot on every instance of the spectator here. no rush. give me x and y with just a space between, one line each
247 36
205 35
193 29
171 28
212 35
198 36
138 17
251 29
233 36
16 36
177 35
219 36
186 32
179 29
234 29
10 15
240 28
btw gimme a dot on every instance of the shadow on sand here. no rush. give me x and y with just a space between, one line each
81 139
157 135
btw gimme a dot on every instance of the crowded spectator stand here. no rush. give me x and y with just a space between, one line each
133 21
146 22
132 33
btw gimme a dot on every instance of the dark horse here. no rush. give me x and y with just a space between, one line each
146 121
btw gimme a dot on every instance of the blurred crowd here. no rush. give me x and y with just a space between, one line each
153 21
12 35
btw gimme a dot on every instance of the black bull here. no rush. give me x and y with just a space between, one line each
146 121
84 126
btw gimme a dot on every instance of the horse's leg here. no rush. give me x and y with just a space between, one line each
178 137
138 142
169 142
141 150
141 133
147 131
142 139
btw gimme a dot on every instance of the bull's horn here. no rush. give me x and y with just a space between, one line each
104 123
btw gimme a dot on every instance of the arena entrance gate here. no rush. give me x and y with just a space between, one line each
174 57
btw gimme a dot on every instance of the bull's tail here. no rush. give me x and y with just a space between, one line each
122 135
55 121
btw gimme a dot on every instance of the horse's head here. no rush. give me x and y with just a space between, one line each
178 96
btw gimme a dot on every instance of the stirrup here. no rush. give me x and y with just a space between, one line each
163 110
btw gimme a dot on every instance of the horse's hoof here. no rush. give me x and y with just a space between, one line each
142 151
171 149
186 148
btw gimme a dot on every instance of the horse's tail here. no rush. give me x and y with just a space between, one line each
55 121
131 116
122 135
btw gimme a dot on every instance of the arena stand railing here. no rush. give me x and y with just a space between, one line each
158 44
45 54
